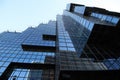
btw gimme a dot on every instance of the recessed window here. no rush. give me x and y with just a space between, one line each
49 37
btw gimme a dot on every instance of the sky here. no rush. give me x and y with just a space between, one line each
17 15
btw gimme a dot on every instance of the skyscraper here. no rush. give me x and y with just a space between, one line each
81 44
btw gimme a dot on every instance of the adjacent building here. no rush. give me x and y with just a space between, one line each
82 44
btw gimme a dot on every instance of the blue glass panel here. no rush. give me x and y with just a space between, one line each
87 24
96 15
63 48
79 9
1 63
81 20
62 44
93 14
109 18
84 21
71 49
104 17
100 16
70 44
91 26
115 20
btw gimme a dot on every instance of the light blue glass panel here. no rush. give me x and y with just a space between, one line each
6 64
84 21
96 15
115 20
71 49
26 60
79 9
2 69
81 20
104 17
19 78
100 16
68 40
92 14
4 59
62 44
69 44
91 26
15 59
109 18
87 24
63 48
22 74
1 63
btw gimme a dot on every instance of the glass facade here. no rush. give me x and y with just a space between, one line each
65 43
81 30
79 9
112 63
70 48
27 74
108 18
11 49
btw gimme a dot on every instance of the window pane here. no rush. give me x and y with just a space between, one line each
115 20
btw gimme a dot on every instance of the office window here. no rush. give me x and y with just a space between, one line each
115 20
100 16
109 18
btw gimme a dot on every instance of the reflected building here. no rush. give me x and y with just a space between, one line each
81 44
35 75
42 74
